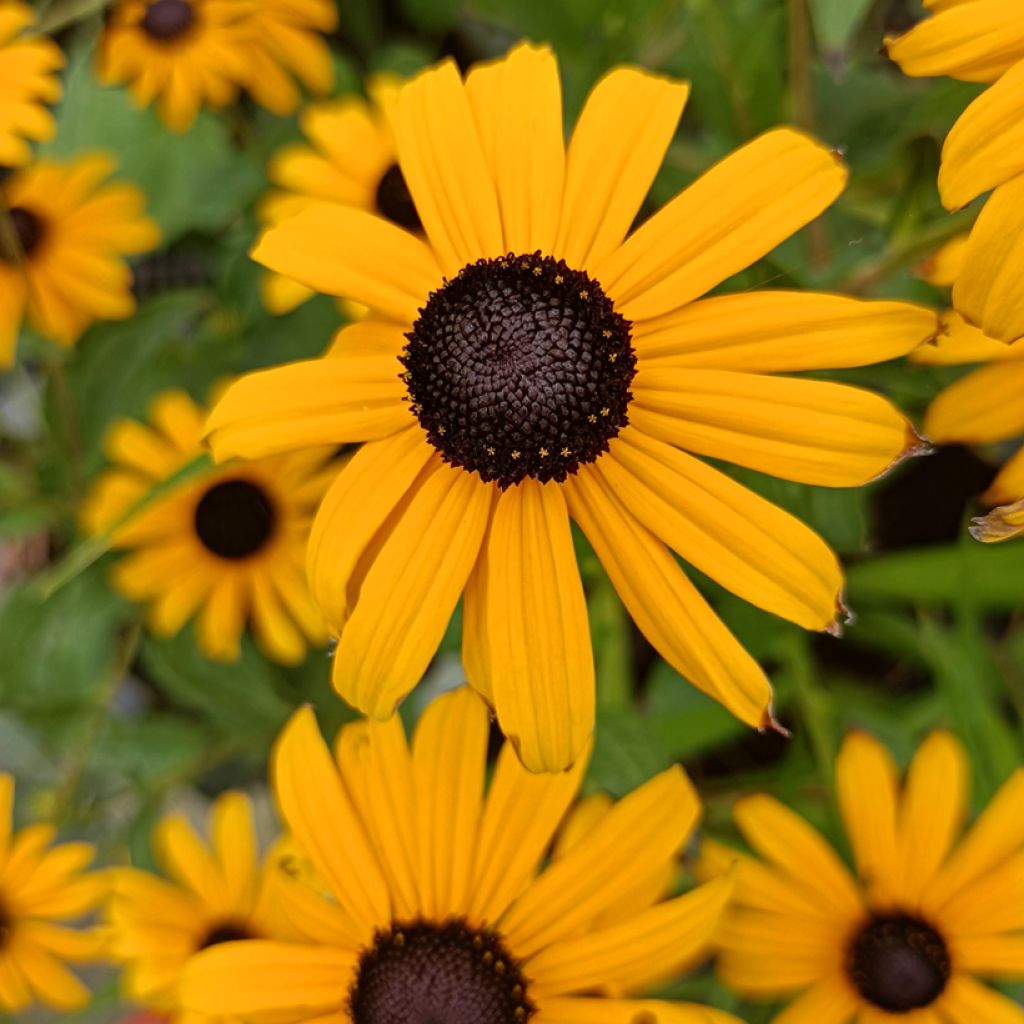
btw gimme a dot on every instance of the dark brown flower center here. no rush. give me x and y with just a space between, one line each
446 973
226 931
898 962
235 518
394 201
520 366
28 230
165 20
6 927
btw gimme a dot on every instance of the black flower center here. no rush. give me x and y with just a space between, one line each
394 201
167 19
28 231
899 963
520 367
227 931
447 973
235 518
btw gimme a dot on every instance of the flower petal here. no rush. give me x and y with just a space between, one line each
985 405
616 149
1008 485
967 1001
570 1010
339 250
538 636
234 843
753 548
961 342
830 1001
811 431
410 590
316 402
444 166
767 332
517 106
732 216
665 605
988 292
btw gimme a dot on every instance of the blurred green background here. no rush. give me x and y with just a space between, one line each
103 725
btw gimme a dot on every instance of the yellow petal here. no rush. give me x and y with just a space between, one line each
943 266
517 108
811 431
830 1001
1008 485
991 955
449 758
188 860
932 810
651 945
445 169
51 981
988 905
616 149
665 605
961 342
315 807
6 810
339 250
988 292
986 145
538 636
634 837
752 547
985 405
234 842
521 813
729 218
974 42
967 1001
259 977
410 590
866 790
766 332
570 1010
317 402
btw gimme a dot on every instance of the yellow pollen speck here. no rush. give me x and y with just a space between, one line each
516 454
399 939
606 334
606 411
591 418
441 430
584 294
566 453
544 453
537 271
559 278
499 967
487 958
612 356
490 450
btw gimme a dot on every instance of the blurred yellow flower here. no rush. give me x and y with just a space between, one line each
529 363
435 908
41 890
216 892
28 81
63 238
981 41
924 917
349 159
226 547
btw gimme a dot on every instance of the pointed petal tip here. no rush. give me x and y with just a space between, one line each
769 723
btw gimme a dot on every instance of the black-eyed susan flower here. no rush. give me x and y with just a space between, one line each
907 937
434 905
529 363
349 159
183 54
980 41
64 233
28 82
225 547
43 890
216 891
283 42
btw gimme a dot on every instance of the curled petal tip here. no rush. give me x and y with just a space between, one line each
769 723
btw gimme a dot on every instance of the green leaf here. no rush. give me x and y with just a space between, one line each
626 754
836 21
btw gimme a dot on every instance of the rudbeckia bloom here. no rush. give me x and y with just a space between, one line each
63 238
41 890
182 53
981 41
29 81
226 546
349 159
925 916
528 362
216 892
434 908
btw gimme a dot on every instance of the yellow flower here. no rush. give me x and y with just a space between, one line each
40 887
527 364
29 81
349 159
981 41
435 909
907 938
216 893
986 406
187 53
282 40
63 238
226 546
